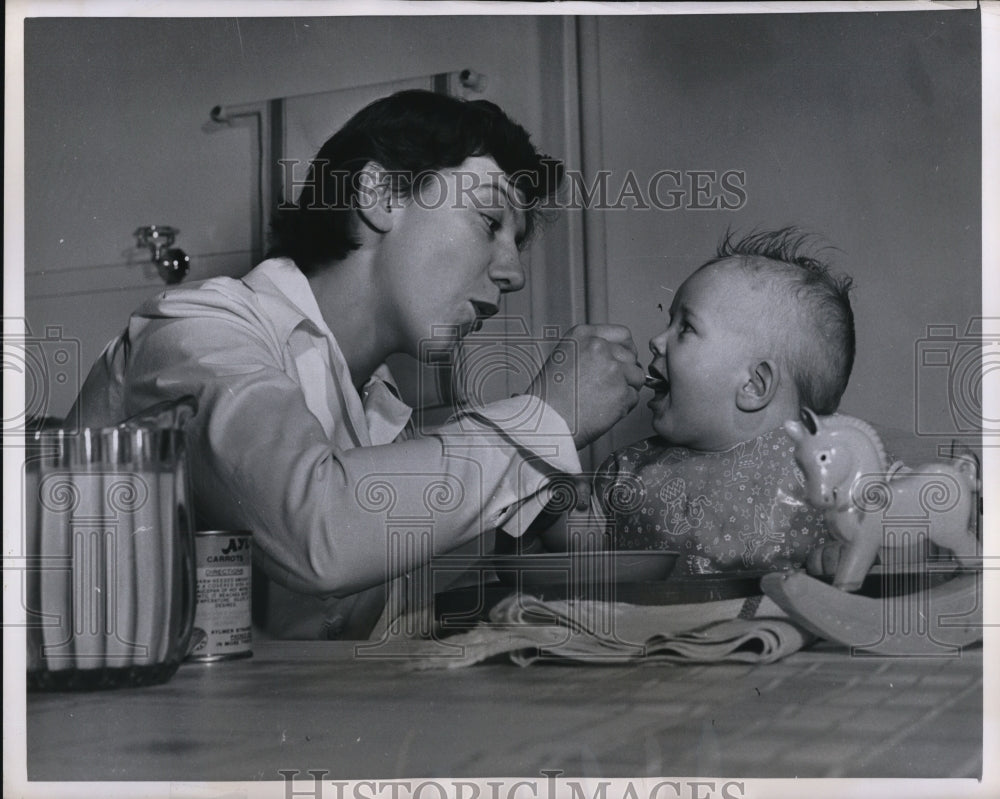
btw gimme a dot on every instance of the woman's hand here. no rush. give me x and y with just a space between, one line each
592 379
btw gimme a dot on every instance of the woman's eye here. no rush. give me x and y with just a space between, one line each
492 223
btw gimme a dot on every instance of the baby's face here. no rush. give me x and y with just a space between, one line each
717 321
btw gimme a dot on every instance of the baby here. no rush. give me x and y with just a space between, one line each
754 334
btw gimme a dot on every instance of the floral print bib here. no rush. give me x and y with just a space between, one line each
743 509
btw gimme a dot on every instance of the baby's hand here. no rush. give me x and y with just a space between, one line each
823 560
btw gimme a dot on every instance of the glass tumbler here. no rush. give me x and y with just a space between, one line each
109 537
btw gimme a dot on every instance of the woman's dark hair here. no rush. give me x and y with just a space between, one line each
411 134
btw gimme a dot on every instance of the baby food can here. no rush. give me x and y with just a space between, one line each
222 613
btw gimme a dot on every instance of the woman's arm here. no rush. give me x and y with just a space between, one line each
328 519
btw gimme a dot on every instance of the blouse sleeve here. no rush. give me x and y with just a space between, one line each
329 520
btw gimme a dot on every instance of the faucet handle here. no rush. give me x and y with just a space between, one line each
171 262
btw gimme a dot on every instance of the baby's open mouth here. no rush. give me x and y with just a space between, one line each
656 381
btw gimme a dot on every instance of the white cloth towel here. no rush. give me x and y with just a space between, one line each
753 630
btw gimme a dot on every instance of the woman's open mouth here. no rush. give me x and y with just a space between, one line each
483 311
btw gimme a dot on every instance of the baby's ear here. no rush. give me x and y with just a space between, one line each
760 387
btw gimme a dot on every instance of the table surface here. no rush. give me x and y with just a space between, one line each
325 705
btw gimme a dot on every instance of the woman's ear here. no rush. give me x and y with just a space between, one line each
374 201
760 387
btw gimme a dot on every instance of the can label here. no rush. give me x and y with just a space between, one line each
222 627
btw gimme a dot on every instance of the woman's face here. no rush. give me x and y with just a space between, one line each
452 252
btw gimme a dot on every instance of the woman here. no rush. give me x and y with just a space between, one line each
410 223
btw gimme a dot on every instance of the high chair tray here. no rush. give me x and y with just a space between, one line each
459 607
583 568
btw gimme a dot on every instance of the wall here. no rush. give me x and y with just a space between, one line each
861 127
117 136
864 128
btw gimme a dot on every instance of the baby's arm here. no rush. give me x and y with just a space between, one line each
548 532
545 534
580 520
576 517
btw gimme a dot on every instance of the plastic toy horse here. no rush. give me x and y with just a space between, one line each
864 499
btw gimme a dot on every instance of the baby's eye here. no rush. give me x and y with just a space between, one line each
686 327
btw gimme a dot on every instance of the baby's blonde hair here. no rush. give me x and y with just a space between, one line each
818 345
